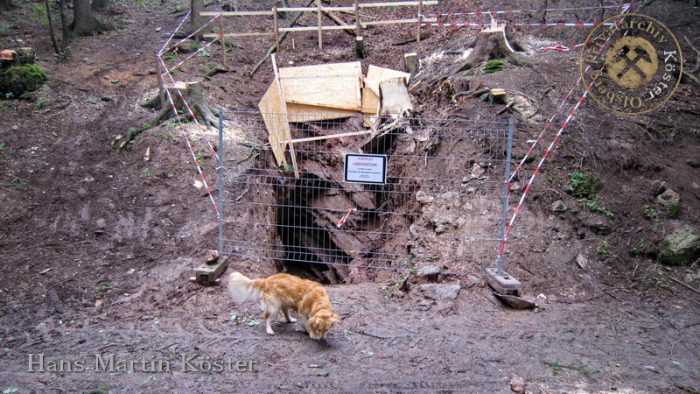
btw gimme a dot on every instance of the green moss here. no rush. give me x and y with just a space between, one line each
15 81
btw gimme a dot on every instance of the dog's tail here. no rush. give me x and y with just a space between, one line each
241 288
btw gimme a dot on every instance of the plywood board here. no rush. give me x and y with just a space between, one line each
335 85
370 101
310 113
273 110
377 75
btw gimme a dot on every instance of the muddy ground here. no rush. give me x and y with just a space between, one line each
98 245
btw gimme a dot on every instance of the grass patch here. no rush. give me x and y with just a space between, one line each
650 213
673 211
584 186
603 250
170 57
100 390
638 248
597 207
493 66
556 367
104 286
4 29
17 184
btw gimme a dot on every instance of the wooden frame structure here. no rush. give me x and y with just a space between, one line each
320 9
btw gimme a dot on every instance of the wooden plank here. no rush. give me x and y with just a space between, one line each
320 25
370 102
328 136
310 113
315 9
276 23
397 4
315 28
236 13
286 134
335 85
392 22
254 34
420 20
377 75
270 106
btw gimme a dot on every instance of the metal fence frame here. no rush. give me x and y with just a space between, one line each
500 131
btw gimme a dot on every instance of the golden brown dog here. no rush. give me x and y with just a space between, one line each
287 293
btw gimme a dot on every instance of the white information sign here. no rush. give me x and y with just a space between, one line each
360 168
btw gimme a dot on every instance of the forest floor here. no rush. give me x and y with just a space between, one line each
97 245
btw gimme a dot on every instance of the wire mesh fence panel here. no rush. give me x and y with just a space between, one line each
366 192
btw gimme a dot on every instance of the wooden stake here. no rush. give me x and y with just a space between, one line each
320 25
285 117
277 29
412 63
358 24
360 47
420 19
222 39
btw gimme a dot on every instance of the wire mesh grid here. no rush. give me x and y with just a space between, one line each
440 202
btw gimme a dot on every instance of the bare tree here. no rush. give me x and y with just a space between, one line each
196 21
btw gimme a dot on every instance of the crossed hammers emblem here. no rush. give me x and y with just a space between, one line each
639 54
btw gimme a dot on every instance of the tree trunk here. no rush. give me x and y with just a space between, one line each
53 36
5 5
65 28
196 21
99 4
84 22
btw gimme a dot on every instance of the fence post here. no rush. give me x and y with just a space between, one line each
220 184
506 192
222 39
420 19
320 25
275 19
358 24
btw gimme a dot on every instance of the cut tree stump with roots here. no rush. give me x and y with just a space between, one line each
193 93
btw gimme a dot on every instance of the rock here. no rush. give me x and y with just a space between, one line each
424 198
430 271
568 189
517 384
582 261
473 280
477 171
440 291
517 302
658 187
695 163
211 257
668 198
682 247
558 206
599 225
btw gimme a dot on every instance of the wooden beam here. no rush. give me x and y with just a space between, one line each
275 20
253 34
420 19
237 13
327 137
315 9
315 28
397 4
320 24
285 117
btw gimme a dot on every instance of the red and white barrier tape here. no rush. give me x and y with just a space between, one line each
549 150
496 12
162 49
481 25
191 151
345 217
572 113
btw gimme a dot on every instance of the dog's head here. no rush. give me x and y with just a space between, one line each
322 322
